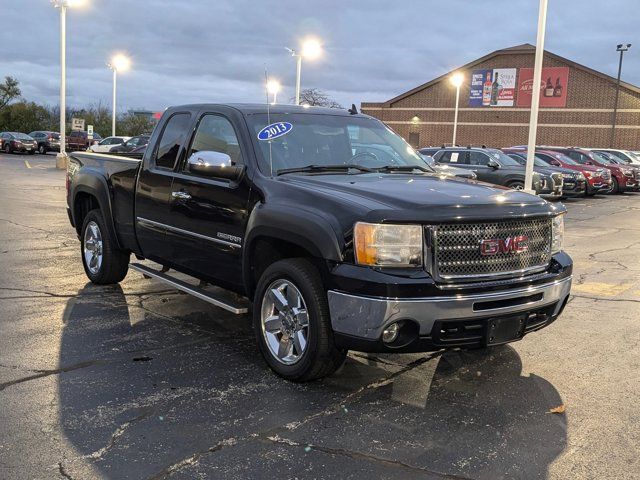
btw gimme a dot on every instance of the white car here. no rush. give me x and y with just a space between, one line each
107 144
624 155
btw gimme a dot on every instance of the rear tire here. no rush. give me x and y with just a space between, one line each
615 186
103 262
278 322
42 150
516 185
7 148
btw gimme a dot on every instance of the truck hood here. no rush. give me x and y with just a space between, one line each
420 198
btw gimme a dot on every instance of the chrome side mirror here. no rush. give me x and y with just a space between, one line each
493 164
214 164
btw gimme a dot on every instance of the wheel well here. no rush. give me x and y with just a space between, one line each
83 204
267 250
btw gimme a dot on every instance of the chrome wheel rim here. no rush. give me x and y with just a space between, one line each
518 186
92 247
285 321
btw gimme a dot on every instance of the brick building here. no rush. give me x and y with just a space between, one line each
577 110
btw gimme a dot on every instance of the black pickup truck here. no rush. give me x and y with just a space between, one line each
328 226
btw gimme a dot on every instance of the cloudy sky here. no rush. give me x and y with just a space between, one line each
216 50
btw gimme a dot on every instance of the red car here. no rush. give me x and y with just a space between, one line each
622 177
598 179
79 140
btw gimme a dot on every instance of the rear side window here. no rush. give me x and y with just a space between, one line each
453 157
173 137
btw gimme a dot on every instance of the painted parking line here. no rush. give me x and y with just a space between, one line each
27 164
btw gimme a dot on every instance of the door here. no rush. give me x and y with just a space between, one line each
208 215
153 189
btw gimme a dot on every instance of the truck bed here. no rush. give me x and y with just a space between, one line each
119 172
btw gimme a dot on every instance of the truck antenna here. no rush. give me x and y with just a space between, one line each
266 91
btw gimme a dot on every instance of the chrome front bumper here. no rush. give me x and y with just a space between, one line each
367 317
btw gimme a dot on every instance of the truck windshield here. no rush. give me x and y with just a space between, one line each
330 140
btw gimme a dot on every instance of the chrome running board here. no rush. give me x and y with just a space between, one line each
228 304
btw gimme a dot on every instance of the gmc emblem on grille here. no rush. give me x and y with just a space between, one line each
489 247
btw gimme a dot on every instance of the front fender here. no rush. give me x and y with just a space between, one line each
304 227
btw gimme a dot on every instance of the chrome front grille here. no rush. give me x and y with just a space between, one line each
454 251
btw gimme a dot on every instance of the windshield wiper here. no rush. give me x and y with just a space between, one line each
403 168
325 168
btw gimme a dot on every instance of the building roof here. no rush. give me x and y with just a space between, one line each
525 48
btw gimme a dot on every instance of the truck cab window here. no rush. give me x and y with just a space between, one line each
215 134
173 137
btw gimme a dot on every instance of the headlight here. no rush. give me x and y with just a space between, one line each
557 233
388 245
474 176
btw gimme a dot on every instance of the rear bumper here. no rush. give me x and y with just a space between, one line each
52 147
358 321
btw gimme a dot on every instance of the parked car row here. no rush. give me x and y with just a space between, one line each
44 141
559 172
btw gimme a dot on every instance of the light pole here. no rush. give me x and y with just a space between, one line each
119 63
273 87
535 97
620 48
63 5
311 48
456 80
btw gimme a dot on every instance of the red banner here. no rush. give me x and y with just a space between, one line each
553 87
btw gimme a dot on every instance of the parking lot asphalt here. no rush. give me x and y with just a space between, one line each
138 381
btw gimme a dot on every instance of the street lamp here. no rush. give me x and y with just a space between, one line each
456 80
535 97
63 5
119 63
273 87
620 48
311 49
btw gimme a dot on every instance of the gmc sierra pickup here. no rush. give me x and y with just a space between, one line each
328 226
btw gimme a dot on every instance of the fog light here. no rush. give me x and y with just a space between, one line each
390 333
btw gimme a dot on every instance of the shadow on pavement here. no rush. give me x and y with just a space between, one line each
164 378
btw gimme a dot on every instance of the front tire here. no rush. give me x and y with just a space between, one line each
516 185
292 323
103 262
7 148
42 150
615 186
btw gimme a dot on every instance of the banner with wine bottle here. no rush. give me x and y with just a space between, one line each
553 87
493 87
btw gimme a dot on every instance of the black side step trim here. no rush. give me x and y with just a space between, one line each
217 300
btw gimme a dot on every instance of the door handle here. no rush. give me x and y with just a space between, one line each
181 195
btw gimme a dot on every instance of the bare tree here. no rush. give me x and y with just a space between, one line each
9 90
316 98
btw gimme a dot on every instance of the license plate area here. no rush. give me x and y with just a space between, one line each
505 329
